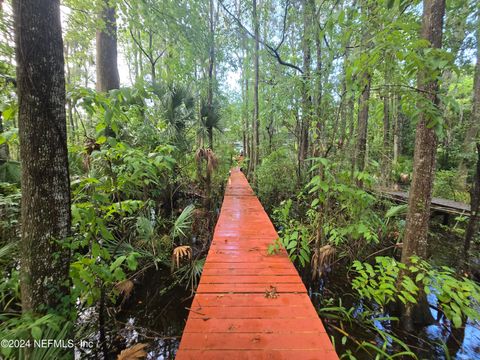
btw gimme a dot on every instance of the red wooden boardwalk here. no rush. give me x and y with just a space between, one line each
250 305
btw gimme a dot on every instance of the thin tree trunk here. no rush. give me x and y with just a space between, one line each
107 68
473 223
363 106
211 55
386 140
418 216
472 131
397 129
210 138
46 218
306 78
4 150
472 227
256 120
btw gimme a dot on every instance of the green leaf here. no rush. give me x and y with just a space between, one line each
132 261
36 332
118 261
291 244
457 321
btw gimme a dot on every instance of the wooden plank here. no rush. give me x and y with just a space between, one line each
279 271
250 304
239 265
274 326
256 355
254 341
250 288
232 300
253 312
249 279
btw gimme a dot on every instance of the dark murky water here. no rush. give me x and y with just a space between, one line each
154 315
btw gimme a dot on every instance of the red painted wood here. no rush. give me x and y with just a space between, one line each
257 355
250 341
235 313
277 326
232 300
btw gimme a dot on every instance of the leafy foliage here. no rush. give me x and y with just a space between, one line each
389 281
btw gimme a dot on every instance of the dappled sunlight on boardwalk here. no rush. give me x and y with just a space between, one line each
250 305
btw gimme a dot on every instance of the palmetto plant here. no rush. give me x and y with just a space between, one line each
178 107
182 223
209 121
191 272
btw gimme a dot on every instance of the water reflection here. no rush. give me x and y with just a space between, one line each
155 315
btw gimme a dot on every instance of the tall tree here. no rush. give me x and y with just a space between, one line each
308 8
472 131
46 218
416 231
256 112
107 68
363 106
473 223
211 53
365 79
472 227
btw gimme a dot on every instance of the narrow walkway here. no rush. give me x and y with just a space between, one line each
250 305
441 205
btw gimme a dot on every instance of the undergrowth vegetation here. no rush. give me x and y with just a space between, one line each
138 203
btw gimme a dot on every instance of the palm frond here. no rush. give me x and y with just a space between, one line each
124 287
134 352
396 210
190 273
7 251
183 222
179 253
210 116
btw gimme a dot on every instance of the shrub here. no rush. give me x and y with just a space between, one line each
448 185
276 179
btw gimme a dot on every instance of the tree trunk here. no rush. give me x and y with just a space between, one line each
4 150
306 78
210 138
46 219
386 140
473 223
472 131
256 120
416 230
211 55
107 69
397 129
363 122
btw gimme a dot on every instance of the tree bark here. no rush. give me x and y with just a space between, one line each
256 120
473 223
363 105
306 78
106 62
4 150
211 54
418 216
472 131
386 140
46 218
397 129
